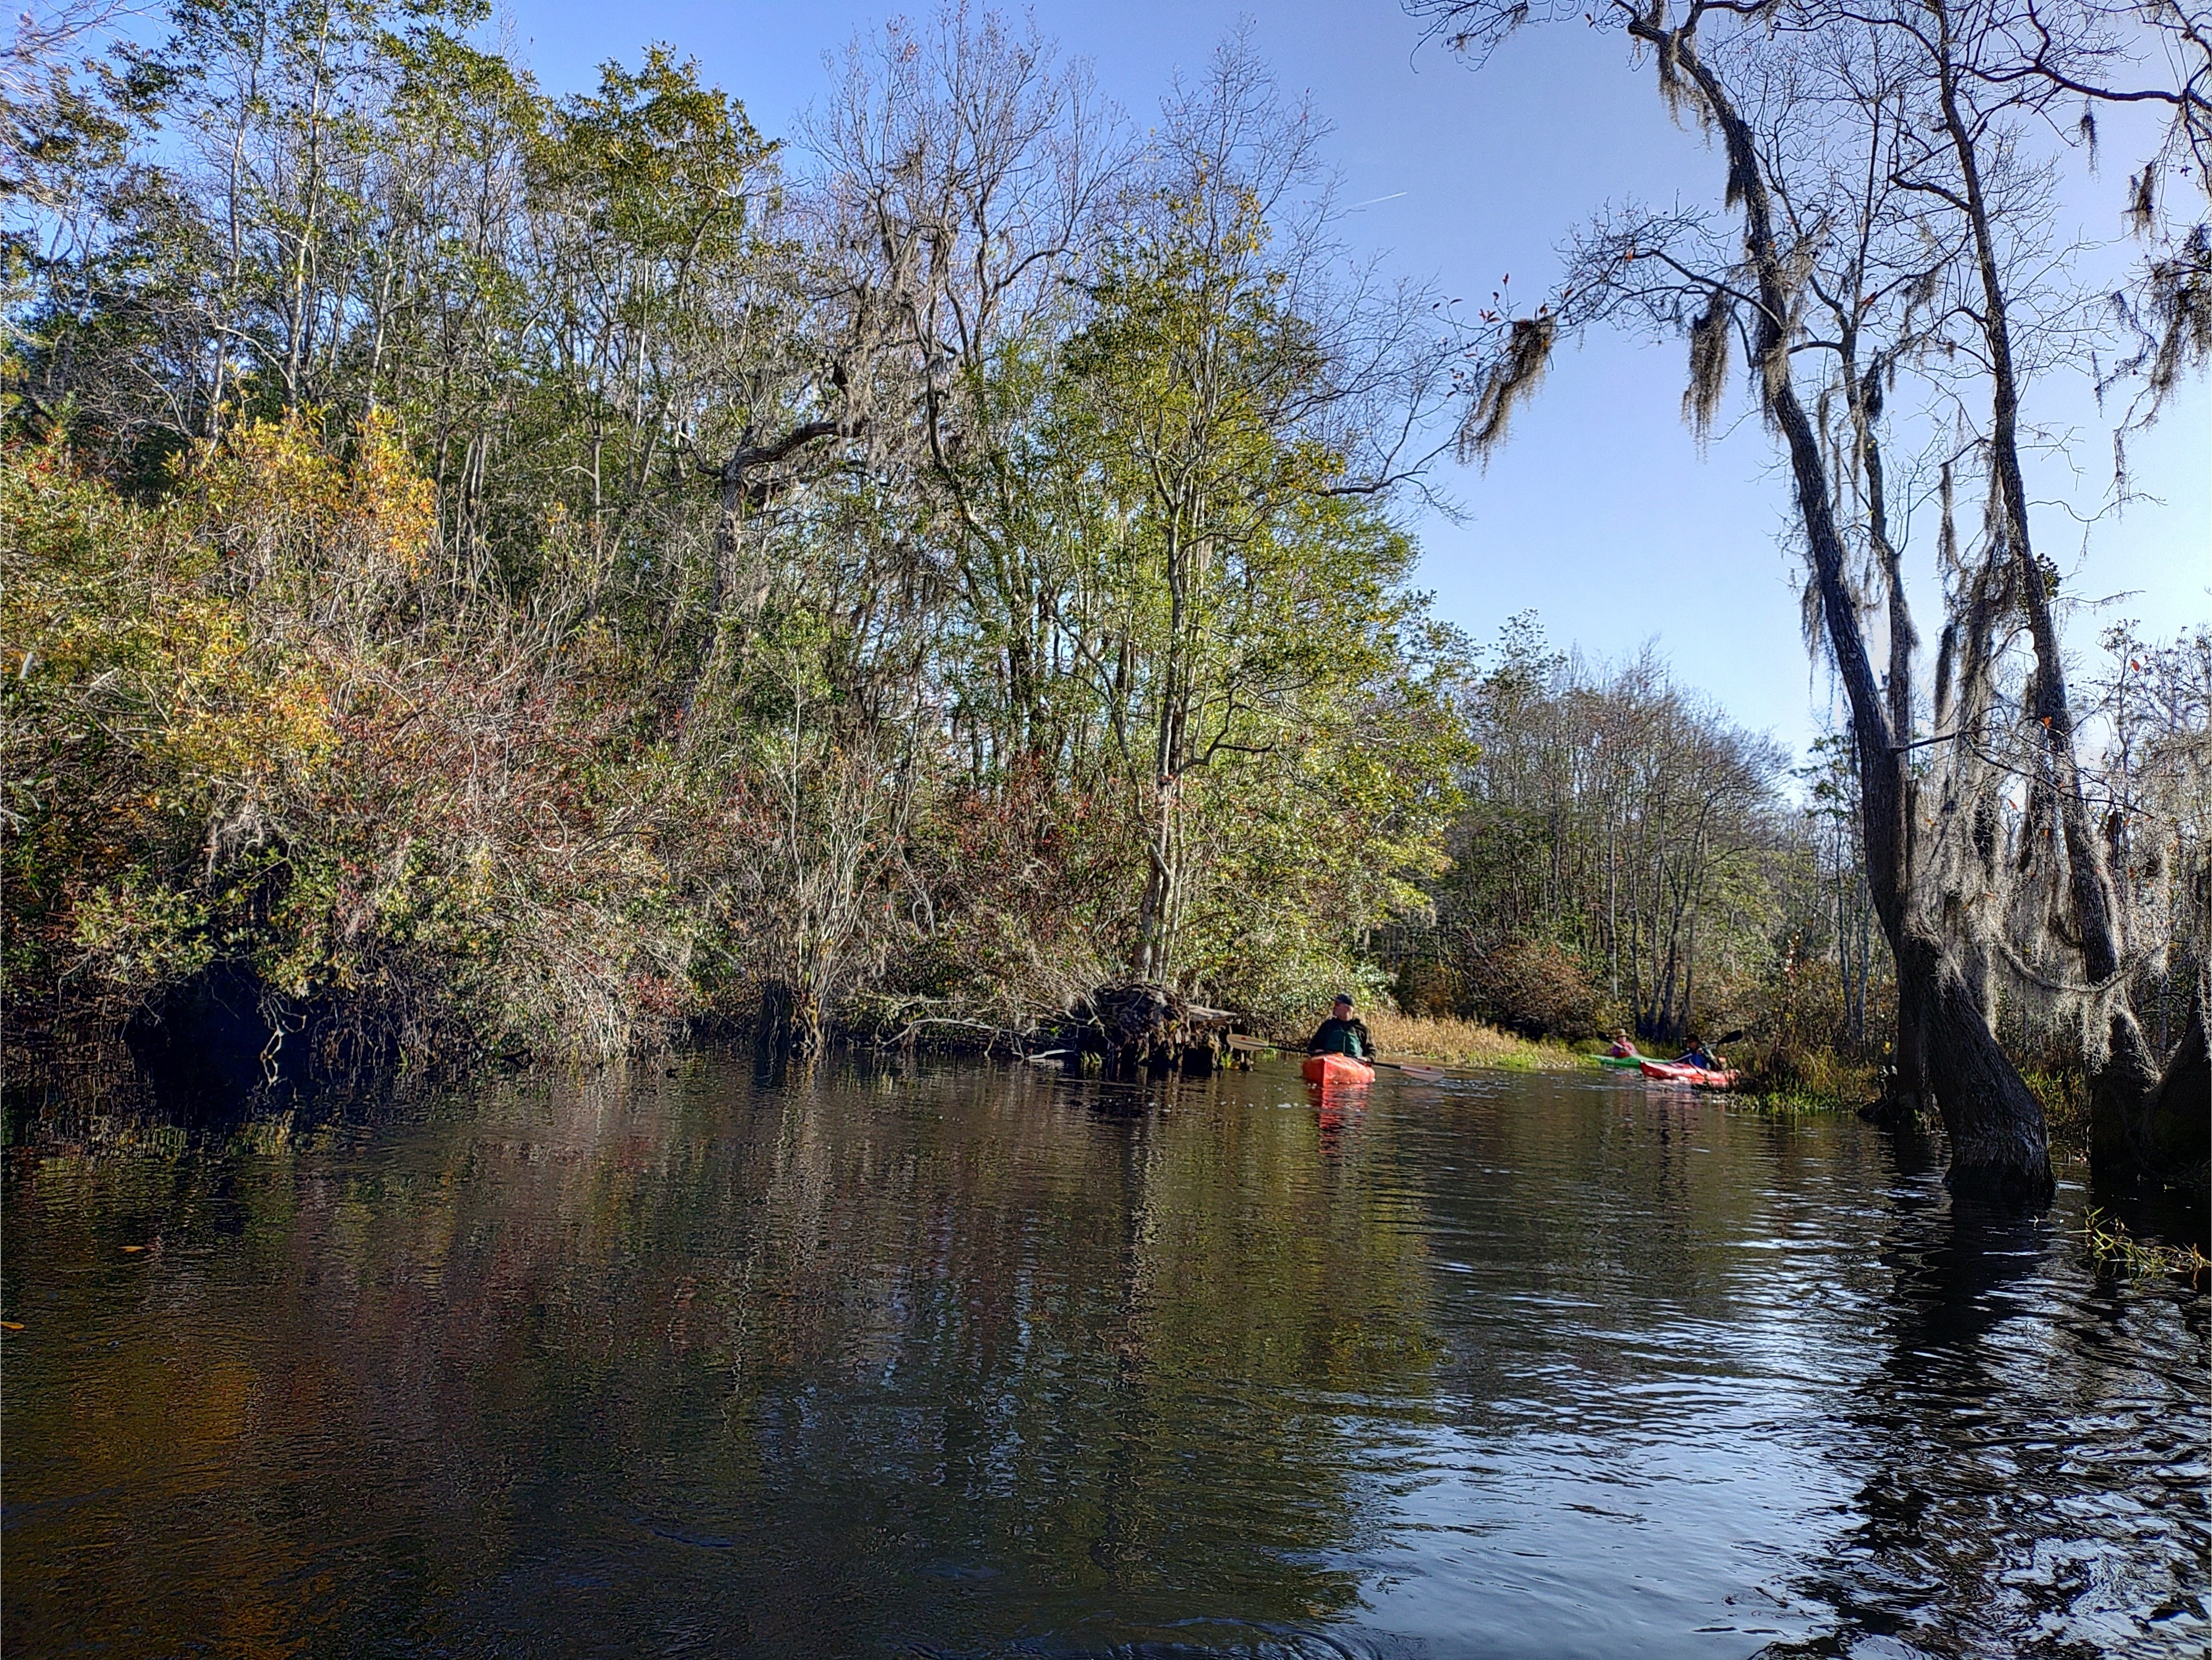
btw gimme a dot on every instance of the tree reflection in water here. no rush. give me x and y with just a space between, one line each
971 1361
1971 1537
799 1365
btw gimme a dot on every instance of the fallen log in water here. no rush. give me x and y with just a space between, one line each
1132 1026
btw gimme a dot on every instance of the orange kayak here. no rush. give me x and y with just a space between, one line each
1672 1071
1337 1069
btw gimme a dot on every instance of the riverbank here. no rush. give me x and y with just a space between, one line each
1792 1082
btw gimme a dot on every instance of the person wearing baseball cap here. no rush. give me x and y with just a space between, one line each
1342 1034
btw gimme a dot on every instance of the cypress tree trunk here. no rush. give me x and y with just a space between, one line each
2000 1148
1909 1095
2145 1124
2125 1089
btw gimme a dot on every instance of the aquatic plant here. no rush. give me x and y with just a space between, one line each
2114 1250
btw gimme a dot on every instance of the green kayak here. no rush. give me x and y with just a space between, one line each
1626 1062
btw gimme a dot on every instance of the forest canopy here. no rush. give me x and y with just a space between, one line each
491 566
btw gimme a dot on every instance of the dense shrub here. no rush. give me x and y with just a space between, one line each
1534 987
246 734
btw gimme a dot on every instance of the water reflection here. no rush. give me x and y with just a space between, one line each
979 1362
2008 1433
602 1348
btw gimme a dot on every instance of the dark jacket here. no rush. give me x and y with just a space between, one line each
1342 1038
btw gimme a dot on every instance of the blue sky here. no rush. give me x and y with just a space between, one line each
1600 514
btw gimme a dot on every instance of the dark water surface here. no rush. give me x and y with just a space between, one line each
974 1361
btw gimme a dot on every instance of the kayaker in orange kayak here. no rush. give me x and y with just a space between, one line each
1342 1034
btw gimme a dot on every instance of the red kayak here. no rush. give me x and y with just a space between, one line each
1337 1069
1673 1072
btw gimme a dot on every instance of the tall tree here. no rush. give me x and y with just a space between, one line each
1240 421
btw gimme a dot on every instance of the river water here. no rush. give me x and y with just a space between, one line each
977 1361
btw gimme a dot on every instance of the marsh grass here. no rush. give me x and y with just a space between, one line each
1461 1043
2065 1100
1806 1080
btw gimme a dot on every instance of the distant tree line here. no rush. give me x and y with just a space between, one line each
1630 859
1627 858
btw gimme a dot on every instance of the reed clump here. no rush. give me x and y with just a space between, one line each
1793 1078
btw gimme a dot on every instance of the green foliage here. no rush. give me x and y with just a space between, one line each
484 566
657 164
1258 673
